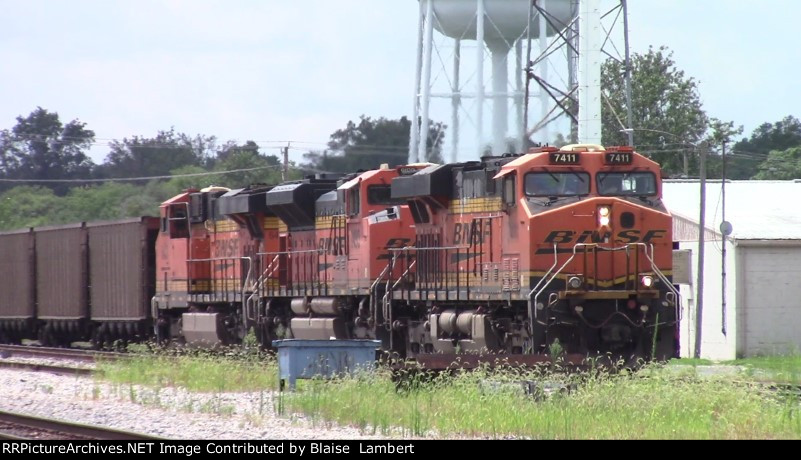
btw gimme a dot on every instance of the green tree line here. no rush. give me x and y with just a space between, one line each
47 176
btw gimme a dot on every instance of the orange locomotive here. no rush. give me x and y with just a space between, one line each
505 255
206 258
516 253
304 259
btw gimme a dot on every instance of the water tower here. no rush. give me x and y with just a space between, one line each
495 28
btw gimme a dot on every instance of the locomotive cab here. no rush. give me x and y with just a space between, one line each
519 252
601 249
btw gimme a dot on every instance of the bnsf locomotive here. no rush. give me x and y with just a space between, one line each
504 255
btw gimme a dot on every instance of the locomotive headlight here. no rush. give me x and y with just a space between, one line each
574 282
647 281
603 216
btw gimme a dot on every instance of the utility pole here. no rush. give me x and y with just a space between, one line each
285 171
724 230
629 115
699 296
686 164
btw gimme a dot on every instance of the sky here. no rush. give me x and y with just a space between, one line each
275 71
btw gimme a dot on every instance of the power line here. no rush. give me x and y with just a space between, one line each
133 179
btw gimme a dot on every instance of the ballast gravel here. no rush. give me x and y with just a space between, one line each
172 413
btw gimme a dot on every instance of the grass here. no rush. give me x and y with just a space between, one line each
651 404
691 362
779 368
657 402
196 371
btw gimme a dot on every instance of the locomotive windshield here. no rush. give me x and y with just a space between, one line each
382 194
626 183
557 183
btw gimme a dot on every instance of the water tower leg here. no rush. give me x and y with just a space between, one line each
545 102
500 107
414 135
480 75
428 42
455 99
520 143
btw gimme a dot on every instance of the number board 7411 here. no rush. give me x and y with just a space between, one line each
565 158
618 158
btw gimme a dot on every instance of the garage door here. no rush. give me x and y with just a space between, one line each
769 288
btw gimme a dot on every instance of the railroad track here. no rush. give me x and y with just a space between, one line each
58 353
49 368
14 426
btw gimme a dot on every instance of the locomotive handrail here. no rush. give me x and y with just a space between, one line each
415 248
374 292
531 313
539 290
245 283
278 253
218 259
443 249
255 290
392 289
667 282
385 310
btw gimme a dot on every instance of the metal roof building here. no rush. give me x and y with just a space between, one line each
752 299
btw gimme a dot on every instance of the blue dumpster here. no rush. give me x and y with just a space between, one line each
305 359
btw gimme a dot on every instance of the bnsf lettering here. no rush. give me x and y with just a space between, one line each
593 236
397 243
225 248
560 236
428 241
393 243
626 236
333 246
472 234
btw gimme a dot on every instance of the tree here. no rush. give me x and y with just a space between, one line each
41 147
27 206
157 156
247 157
781 165
370 143
663 99
750 152
721 134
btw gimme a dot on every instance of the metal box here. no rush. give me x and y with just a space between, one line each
305 359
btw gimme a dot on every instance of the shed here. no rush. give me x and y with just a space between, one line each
755 291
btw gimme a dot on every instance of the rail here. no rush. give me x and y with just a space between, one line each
23 427
59 353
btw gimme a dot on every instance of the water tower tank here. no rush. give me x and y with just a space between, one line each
505 19
503 26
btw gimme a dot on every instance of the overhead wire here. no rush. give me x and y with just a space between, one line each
144 178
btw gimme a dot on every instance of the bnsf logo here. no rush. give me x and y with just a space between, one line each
626 236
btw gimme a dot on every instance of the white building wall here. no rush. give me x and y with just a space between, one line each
769 285
714 344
